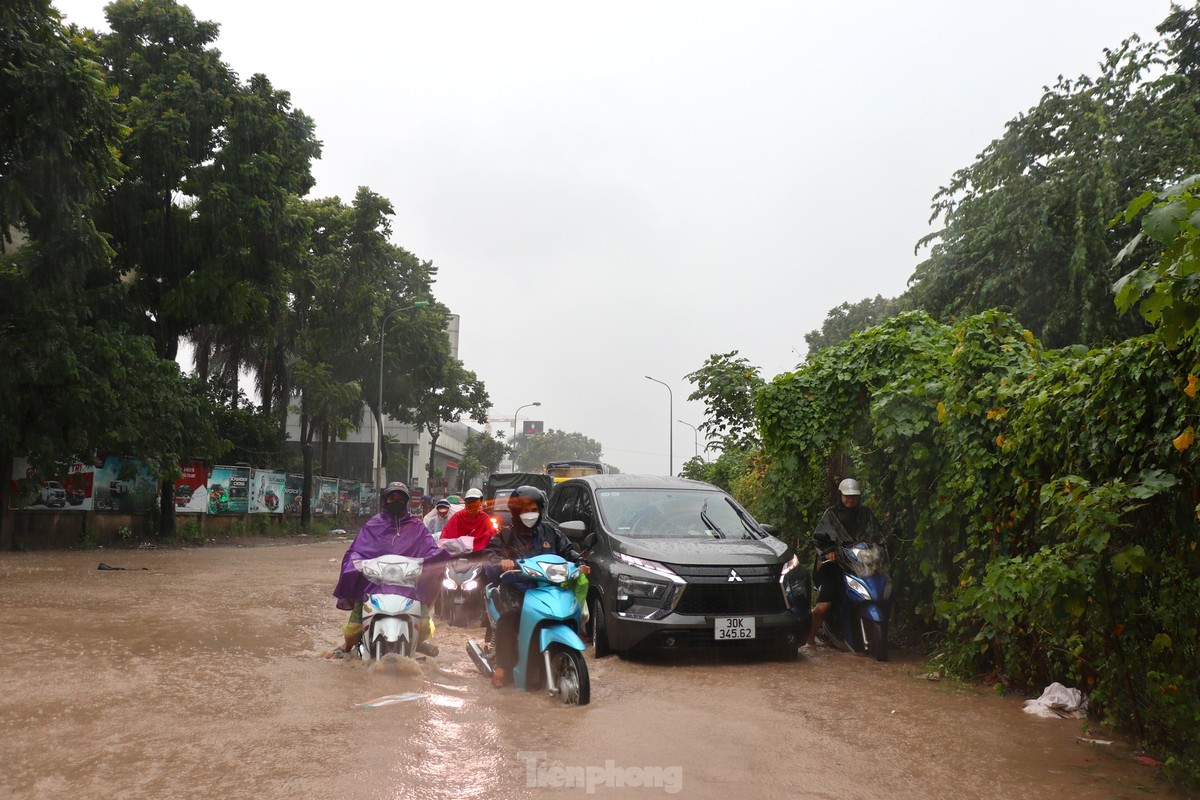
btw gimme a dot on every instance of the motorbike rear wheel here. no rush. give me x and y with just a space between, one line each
875 638
570 675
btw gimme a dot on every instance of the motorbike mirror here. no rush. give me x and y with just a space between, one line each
589 541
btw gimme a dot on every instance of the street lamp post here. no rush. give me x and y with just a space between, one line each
695 437
380 473
670 427
515 415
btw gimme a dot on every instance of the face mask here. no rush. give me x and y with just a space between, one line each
530 518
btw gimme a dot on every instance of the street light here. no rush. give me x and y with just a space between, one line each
670 427
514 452
695 437
378 469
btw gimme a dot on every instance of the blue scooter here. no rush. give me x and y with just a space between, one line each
549 649
859 618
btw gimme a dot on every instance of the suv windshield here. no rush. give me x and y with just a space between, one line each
683 513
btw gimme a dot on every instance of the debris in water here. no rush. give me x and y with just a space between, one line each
107 567
388 700
1148 761
1086 740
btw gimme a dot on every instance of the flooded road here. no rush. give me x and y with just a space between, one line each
199 673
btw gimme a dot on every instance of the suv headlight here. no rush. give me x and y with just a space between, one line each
795 583
649 596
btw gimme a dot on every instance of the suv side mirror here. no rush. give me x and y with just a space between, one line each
574 529
771 529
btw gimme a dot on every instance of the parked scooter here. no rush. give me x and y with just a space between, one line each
461 600
391 621
549 648
859 618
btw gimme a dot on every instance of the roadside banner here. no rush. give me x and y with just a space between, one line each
270 488
293 491
123 484
229 490
71 491
325 496
191 490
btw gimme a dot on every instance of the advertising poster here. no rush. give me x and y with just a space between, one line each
123 484
293 492
356 498
71 491
229 490
325 497
191 490
269 489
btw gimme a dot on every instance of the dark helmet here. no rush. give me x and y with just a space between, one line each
527 493
392 488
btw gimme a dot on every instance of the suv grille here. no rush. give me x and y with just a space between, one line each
709 590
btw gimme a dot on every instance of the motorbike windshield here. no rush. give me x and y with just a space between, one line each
391 570
864 559
682 513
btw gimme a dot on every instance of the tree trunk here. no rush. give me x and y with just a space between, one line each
306 452
6 517
433 437
166 510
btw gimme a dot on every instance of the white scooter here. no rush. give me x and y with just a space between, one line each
391 622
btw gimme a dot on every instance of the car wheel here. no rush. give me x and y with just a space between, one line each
600 629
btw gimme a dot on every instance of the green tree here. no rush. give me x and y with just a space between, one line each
483 454
534 452
76 379
457 391
849 318
727 385
1025 226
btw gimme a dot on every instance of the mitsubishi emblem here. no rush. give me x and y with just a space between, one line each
733 577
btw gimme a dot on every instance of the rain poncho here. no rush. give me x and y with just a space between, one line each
849 526
382 535
477 525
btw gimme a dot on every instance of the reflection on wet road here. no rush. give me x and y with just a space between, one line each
202 676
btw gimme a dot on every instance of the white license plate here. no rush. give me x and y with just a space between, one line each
733 628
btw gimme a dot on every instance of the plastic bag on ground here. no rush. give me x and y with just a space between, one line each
1058 702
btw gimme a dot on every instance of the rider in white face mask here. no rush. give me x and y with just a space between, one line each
530 533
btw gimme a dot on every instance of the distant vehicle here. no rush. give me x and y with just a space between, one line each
677 562
561 470
52 494
501 484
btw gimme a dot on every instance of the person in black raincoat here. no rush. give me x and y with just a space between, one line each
842 525
530 533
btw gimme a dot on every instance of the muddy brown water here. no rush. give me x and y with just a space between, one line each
199 673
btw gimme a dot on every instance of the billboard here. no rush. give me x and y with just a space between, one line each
270 488
229 490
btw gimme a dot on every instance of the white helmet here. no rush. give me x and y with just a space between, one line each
849 486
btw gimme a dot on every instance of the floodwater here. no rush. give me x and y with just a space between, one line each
199 673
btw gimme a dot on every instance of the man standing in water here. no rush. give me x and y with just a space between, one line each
393 531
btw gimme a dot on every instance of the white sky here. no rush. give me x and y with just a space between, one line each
643 184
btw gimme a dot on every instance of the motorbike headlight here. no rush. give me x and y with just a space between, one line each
557 573
858 587
470 585
448 583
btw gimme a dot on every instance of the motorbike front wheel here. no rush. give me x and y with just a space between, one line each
570 675
875 638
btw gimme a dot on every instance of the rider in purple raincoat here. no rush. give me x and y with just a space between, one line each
393 531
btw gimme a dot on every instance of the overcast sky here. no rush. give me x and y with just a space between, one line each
640 185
